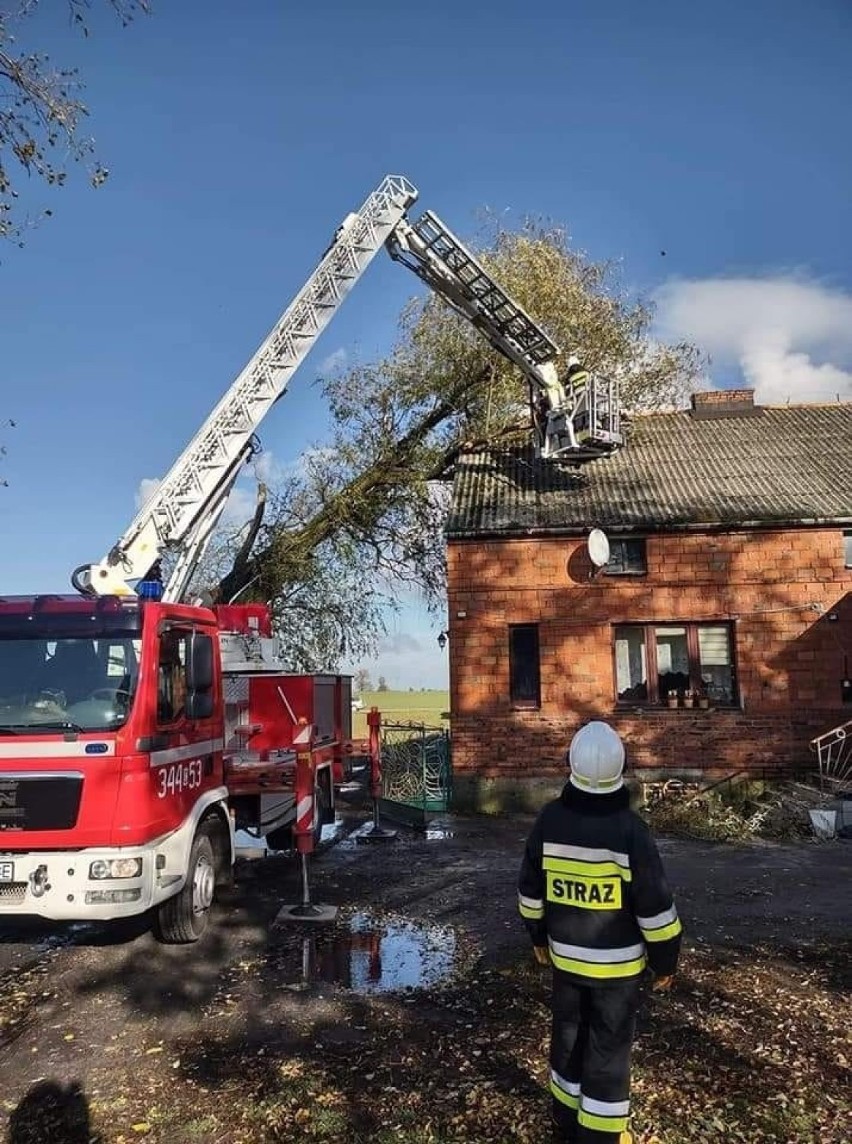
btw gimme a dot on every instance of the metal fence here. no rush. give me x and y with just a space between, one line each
416 766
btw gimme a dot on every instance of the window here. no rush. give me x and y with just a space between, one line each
654 660
631 665
627 558
171 675
847 549
524 666
89 682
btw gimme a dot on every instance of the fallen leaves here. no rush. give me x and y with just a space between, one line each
750 1047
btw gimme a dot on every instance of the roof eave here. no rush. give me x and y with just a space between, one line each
650 527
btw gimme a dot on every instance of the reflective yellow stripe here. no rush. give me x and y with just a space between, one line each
664 933
602 1123
588 869
599 969
531 912
565 1097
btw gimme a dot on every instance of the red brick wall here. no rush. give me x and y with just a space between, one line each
790 658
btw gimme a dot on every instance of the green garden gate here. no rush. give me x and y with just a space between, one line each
416 772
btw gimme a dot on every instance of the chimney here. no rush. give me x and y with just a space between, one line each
715 403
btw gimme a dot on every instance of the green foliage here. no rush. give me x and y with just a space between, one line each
41 112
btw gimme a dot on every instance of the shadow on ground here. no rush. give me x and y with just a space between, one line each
52 1113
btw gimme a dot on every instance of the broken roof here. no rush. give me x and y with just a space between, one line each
781 465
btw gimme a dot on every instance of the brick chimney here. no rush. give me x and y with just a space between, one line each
714 403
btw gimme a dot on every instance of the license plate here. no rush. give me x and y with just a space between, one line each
7 871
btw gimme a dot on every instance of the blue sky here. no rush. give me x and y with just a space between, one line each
238 136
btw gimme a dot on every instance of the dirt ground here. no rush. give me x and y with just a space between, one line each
267 1033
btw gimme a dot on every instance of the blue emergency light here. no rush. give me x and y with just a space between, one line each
149 590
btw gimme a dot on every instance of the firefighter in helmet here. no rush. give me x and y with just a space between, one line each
594 897
576 377
577 386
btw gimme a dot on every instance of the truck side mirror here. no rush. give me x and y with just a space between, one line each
199 669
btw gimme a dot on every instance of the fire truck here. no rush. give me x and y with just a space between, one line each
142 727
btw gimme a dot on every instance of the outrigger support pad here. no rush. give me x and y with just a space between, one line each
306 910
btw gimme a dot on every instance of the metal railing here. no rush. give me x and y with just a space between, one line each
416 766
834 753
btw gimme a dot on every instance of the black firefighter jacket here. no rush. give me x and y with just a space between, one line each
592 888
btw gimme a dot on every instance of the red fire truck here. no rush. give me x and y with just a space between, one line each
141 726
137 737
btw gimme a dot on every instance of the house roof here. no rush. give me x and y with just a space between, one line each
783 465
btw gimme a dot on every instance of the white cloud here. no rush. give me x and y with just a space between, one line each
333 362
790 338
265 467
241 502
147 487
240 506
408 659
408 654
400 644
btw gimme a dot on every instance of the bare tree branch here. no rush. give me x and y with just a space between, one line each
41 112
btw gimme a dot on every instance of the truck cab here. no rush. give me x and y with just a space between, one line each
111 737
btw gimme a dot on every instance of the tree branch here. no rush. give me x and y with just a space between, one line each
354 505
244 552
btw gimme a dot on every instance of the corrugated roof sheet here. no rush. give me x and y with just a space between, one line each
787 464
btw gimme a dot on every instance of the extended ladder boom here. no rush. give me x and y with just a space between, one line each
581 423
430 249
182 513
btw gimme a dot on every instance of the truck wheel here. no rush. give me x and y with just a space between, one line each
184 917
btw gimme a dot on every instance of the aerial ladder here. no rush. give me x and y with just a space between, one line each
576 418
572 422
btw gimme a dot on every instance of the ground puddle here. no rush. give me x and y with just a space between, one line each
368 954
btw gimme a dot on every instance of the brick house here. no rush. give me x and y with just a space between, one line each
730 578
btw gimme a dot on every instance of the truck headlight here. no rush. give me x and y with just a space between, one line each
115 868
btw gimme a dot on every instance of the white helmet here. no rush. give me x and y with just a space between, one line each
596 757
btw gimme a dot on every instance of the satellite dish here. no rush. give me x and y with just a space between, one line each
598 546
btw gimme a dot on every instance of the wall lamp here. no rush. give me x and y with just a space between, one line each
442 640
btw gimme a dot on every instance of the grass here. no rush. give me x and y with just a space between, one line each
403 707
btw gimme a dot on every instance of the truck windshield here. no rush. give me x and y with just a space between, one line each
57 682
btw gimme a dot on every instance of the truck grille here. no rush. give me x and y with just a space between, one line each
13 892
32 801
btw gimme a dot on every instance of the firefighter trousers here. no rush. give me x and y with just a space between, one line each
591 1039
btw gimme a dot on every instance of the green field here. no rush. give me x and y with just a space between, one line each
403 707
